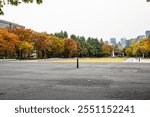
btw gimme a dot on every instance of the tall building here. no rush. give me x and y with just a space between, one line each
113 41
128 43
119 46
10 25
123 43
147 33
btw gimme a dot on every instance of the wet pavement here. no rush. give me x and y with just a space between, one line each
63 81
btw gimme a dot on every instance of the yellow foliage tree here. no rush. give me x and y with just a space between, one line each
128 51
26 49
106 49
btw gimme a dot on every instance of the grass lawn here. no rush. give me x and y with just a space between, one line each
90 60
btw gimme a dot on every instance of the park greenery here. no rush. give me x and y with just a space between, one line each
22 43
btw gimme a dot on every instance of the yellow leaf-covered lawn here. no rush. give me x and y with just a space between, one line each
90 60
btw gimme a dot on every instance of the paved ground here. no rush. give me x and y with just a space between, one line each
60 81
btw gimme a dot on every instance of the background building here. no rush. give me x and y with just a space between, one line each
128 43
147 33
113 41
123 43
10 25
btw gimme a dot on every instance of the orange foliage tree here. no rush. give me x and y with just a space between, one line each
8 43
70 47
25 48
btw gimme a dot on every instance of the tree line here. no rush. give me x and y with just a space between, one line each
24 43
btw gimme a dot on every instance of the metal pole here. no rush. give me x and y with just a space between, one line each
77 57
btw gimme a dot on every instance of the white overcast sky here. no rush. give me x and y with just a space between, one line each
95 18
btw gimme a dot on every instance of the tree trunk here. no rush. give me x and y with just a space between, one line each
143 55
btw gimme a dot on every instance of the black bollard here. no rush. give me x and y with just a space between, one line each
77 62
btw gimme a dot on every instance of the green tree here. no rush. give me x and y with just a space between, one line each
74 37
97 46
90 50
62 34
15 3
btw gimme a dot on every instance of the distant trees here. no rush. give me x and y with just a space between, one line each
96 45
62 34
24 43
90 47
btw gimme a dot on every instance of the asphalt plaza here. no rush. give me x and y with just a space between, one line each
45 80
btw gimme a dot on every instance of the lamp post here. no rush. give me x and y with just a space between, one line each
77 55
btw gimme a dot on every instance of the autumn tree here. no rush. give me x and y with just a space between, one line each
128 51
134 46
41 44
57 46
26 49
8 43
15 3
26 46
70 47
106 49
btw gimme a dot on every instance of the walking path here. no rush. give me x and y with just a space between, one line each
136 60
